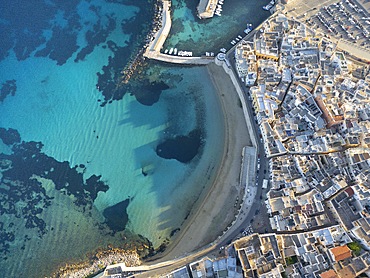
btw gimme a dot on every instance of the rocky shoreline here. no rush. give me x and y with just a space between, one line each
97 263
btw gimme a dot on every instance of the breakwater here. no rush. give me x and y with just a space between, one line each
206 8
159 36
98 262
139 59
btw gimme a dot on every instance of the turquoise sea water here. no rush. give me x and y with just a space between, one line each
190 33
81 159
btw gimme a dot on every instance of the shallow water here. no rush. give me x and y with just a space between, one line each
60 67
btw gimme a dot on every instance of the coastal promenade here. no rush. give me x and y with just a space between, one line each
153 51
178 59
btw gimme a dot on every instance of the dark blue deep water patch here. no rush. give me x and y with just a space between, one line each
9 136
54 47
149 93
19 188
23 24
182 148
94 37
116 216
9 87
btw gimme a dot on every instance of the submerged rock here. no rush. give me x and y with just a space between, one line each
116 216
150 93
183 148
8 88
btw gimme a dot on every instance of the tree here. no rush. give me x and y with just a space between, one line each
355 247
291 260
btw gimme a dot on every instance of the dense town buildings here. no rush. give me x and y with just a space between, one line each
313 113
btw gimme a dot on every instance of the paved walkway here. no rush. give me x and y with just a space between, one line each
178 59
162 34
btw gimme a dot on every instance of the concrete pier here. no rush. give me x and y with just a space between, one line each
155 46
178 59
206 8
161 35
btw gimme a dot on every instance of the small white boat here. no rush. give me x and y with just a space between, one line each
166 51
269 5
175 51
171 51
249 28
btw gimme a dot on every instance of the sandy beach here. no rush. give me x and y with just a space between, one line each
215 210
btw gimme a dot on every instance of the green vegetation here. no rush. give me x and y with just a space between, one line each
291 260
283 274
355 247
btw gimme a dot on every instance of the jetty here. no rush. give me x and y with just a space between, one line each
153 50
206 8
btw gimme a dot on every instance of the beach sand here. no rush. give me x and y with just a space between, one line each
215 210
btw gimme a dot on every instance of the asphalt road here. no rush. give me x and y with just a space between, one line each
260 175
